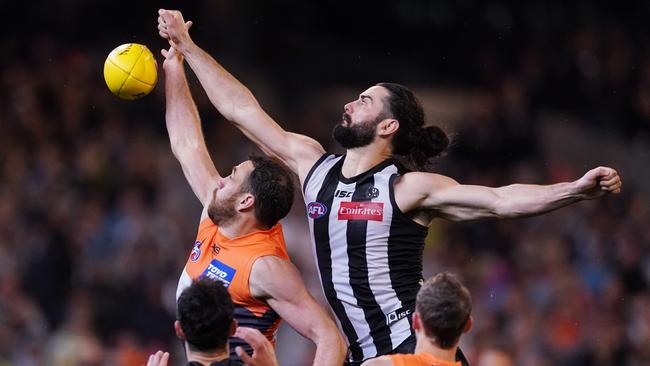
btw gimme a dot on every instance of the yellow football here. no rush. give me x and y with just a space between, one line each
130 71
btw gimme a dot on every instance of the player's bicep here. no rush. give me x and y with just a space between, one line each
445 197
286 294
458 202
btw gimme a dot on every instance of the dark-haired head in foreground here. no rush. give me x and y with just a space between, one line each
205 316
443 309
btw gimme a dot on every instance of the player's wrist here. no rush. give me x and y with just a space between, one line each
184 45
173 64
577 190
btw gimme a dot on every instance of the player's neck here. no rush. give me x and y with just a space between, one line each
240 227
425 344
362 159
205 358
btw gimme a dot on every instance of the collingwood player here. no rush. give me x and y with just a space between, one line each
368 214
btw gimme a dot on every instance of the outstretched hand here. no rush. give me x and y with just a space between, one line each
171 56
172 27
159 358
599 181
263 352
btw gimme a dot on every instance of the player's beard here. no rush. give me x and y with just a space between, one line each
223 212
358 135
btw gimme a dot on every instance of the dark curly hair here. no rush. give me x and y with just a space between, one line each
416 143
205 311
445 306
272 184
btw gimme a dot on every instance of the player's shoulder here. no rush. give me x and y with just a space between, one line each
273 276
379 361
416 179
271 263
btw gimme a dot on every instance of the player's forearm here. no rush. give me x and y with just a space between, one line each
227 94
526 200
330 348
181 114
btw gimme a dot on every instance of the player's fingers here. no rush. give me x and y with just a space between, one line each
164 359
252 336
243 355
164 52
188 24
155 358
164 35
613 187
609 182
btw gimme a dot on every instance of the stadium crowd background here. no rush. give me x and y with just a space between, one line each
96 219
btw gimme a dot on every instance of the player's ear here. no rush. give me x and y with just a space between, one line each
246 201
387 127
179 331
469 324
417 321
233 328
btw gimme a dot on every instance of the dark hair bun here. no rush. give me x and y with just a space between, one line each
432 141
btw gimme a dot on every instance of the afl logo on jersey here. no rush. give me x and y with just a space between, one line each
196 251
316 210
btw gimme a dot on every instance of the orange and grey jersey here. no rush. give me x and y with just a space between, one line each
230 261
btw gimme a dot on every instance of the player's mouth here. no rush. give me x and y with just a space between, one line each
346 119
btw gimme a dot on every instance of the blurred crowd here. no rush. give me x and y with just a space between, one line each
97 221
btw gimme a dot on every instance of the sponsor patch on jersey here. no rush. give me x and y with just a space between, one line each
373 211
219 271
196 251
397 315
316 210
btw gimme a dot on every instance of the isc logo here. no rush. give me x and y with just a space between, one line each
343 194
316 210
397 315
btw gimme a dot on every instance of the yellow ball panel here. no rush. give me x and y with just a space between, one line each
134 89
114 76
145 69
126 55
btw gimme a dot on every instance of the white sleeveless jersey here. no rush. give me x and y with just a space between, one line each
369 253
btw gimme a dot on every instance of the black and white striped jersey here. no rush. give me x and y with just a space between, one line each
369 253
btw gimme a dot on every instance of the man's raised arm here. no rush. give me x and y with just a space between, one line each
458 202
235 101
184 128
